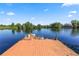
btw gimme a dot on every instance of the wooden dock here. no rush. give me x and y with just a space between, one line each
35 46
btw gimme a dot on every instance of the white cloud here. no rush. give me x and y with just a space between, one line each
10 13
45 9
32 18
2 12
73 12
70 15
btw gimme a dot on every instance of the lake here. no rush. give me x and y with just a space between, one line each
69 37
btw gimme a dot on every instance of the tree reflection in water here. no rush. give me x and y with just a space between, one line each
75 32
56 31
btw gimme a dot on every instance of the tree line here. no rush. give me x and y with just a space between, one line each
29 26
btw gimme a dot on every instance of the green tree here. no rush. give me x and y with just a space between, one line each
67 26
39 26
23 27
56 25
18 25
12 25
28 27
74 23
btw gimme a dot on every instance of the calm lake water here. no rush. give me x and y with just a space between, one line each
69 37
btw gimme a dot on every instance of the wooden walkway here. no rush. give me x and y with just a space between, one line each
33 46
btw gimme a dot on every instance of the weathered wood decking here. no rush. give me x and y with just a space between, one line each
33 46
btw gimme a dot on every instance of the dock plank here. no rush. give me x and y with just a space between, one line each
39 48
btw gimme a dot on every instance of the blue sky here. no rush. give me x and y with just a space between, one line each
38 13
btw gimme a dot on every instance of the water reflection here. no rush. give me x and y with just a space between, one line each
39 29
55 30
27 31
74 47
18 30
13 31
8 38
65 35
75 32
57 33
